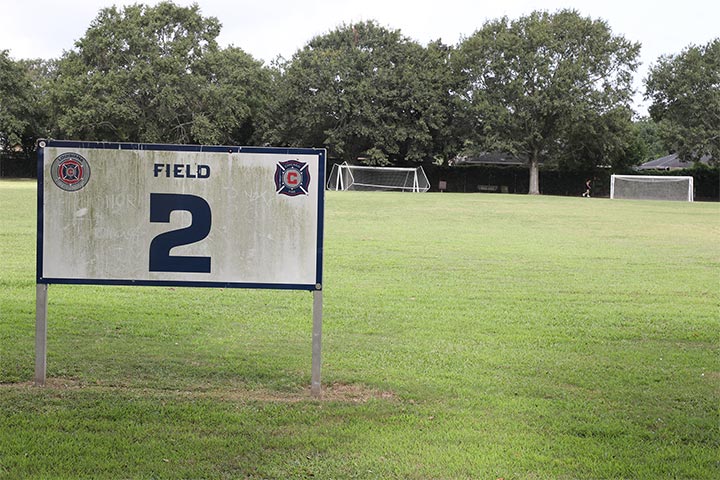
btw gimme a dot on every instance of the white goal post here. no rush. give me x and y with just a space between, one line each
360 177
652 187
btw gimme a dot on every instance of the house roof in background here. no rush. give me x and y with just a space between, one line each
670 162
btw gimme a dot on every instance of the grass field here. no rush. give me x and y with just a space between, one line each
465 336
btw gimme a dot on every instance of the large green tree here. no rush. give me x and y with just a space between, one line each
649 143
15 95
156 74
365 91
24 113
685 94
549 87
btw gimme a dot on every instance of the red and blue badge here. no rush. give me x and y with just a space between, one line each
292 178
70 172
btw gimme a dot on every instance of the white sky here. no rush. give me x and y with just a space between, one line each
268 28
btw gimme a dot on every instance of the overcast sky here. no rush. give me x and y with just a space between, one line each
268 28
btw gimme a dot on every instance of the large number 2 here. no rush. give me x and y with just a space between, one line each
161 205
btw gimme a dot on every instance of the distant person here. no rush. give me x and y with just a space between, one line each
587 188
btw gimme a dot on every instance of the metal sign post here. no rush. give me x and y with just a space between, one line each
315 387
41 303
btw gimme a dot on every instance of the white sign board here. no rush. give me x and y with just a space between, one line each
138 214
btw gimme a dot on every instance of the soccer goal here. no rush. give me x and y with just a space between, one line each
649 187
358 177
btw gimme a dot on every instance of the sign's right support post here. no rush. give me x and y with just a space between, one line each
315 387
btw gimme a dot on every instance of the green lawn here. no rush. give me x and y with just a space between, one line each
465 336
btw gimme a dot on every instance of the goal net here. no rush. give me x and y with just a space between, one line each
648 187
357 177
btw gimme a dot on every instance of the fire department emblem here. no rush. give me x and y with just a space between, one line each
292 178
70 172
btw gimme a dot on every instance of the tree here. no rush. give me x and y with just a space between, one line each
548 87
685 94
650 144
15 94
23 102
593 139
156 74
364 91
235 96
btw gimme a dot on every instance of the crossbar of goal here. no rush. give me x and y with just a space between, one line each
386 169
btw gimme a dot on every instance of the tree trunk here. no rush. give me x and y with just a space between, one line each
534 188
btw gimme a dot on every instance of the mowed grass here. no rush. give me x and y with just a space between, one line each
465 336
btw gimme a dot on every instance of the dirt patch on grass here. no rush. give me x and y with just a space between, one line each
355 393
50 384
335 392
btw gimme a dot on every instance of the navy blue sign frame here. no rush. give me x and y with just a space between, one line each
320 153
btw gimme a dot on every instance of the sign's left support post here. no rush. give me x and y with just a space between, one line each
41 304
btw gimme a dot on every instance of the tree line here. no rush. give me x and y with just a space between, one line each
552 88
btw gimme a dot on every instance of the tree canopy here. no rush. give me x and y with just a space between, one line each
156 74
685 94
15 101
551 88
548 87
363 91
